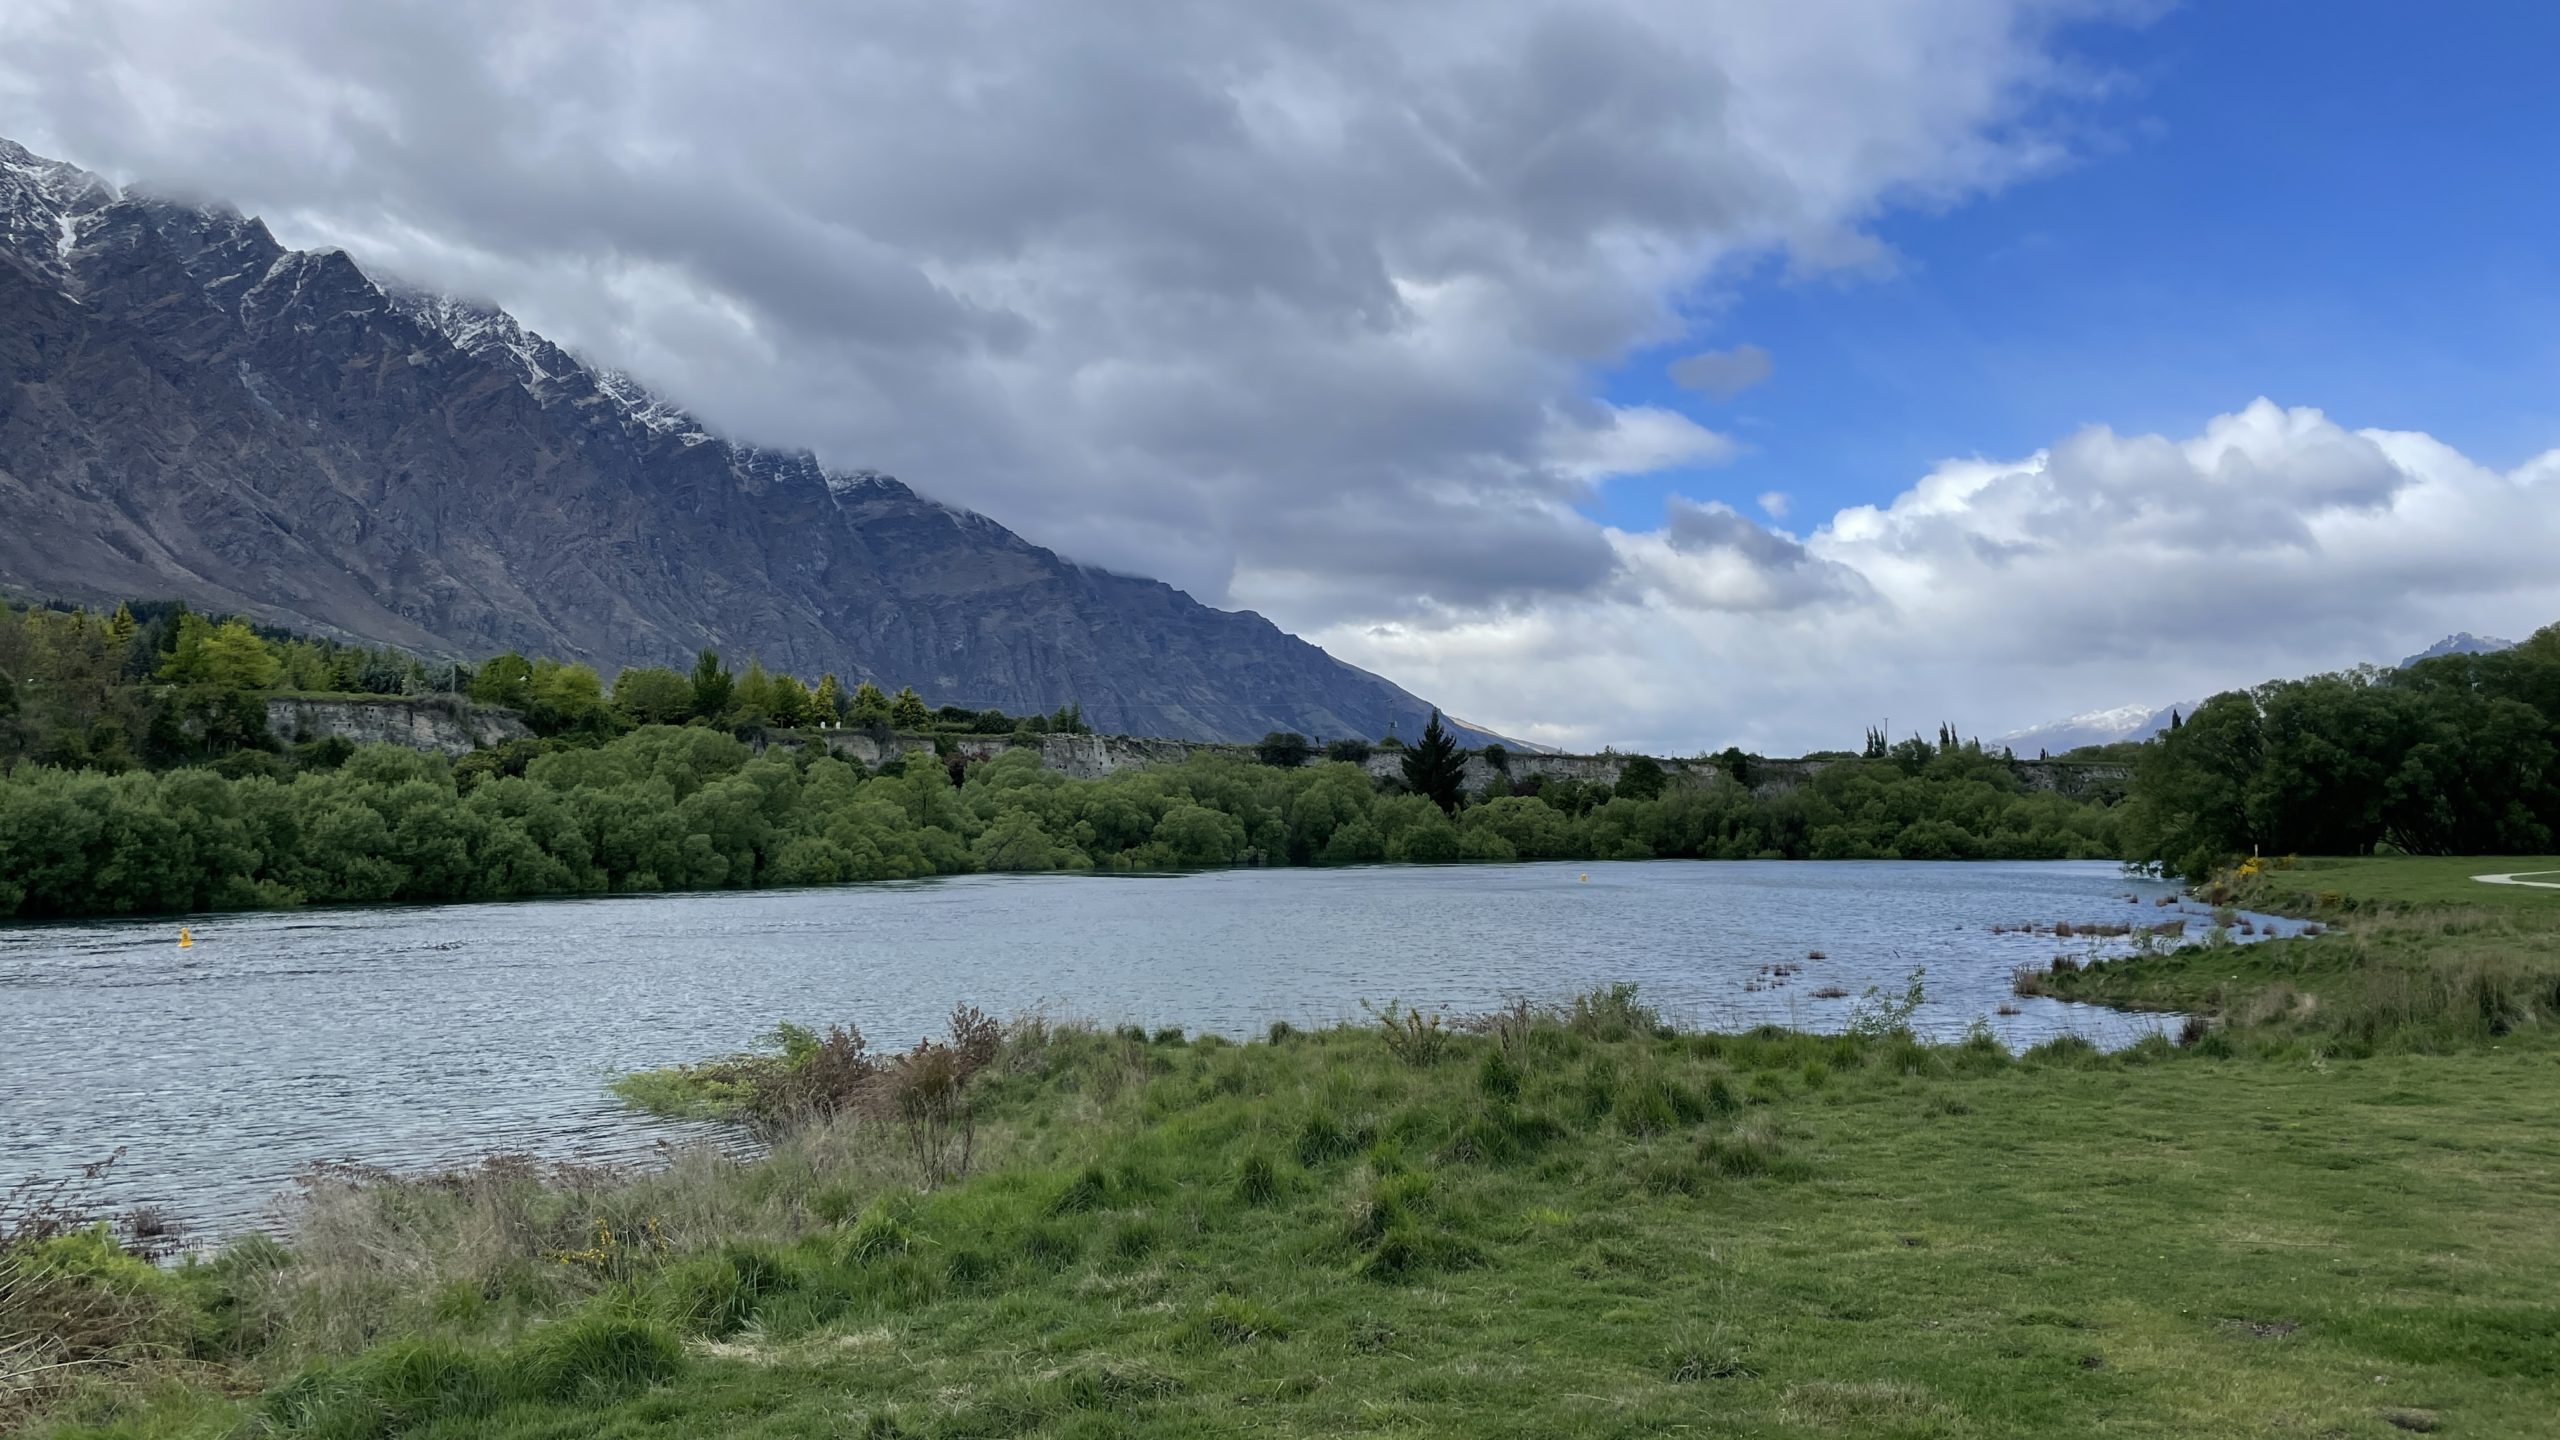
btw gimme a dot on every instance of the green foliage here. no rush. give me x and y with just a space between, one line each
504 680
1743 768
1642 778
2458 755
714 688
689 807
1286 749
869 706
653 695
1878 1014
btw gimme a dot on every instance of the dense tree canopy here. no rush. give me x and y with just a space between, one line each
669 807
2458 755
141 777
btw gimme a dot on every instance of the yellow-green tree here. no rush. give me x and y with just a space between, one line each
907 711
234 658
870 706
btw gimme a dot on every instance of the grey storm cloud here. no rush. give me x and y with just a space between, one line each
1293 305
1722 373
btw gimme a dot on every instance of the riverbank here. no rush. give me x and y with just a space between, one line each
2415 954
1570 1222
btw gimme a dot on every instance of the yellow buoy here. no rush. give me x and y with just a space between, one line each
1586 877
185 940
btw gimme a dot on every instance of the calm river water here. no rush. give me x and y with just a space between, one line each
432 1035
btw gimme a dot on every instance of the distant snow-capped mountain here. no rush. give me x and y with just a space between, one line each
2461 642
2097 727
2141 722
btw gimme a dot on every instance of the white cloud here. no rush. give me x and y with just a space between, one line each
1297 305
1997 594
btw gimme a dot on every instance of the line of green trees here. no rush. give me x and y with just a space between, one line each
687 807
2458 755
141 779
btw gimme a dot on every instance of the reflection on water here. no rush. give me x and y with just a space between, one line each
430 1035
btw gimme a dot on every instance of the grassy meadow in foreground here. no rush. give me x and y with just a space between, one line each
1567 1222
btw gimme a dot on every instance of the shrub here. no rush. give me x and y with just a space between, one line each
1877 1014
1611 1014
1415 1038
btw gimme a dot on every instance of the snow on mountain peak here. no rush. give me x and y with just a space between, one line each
45 205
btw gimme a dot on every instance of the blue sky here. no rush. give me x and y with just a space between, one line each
2349 206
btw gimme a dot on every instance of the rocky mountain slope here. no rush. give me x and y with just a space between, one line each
189 409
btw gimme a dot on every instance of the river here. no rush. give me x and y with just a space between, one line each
424 1036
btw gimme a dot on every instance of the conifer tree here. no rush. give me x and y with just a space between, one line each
870 706
1436 767
713 687
907 711
789 702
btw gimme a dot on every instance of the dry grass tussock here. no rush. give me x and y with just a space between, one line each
77 1298
376 1254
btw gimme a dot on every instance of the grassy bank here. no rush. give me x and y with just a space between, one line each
2411 954
1569 1222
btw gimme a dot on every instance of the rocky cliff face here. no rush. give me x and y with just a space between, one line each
189 409
444 726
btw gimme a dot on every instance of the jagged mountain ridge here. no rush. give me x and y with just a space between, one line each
188 408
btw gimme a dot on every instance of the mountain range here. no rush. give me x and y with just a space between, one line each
2141 722
190 410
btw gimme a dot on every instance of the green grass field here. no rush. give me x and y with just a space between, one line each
2416 880
1573 1224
